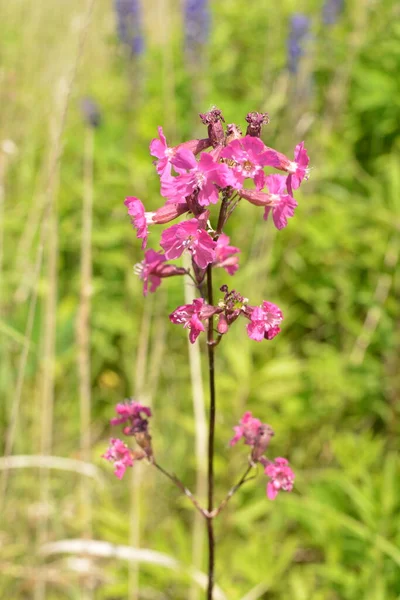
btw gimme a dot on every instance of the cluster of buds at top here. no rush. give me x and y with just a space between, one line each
198 177
258 435
135 418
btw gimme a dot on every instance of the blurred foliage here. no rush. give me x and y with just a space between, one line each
329 384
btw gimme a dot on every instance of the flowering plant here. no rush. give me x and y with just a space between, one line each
195 175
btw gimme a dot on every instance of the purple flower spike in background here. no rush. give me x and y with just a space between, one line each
90 112
129 24
331 11
197 18
298 36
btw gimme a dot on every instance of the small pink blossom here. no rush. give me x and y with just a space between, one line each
119 454
202 177
264 321
255 434
154 268
249 156
248 428
224 255
189 235
297 168
132 412
160 149
191 317
281 203
147 270
281 475
140 219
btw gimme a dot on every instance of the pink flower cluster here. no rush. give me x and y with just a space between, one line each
221 169
258 435
134 415
264 319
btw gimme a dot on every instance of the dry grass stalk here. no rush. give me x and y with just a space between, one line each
83 328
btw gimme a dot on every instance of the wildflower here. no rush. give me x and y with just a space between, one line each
298 35
297 168
119 454
154 268
249 156
139 218
132 412
248 428
224 255
202 176
191 317
331 11
281 204
264 321
281 475
164 153
277 199
129 24
90 112
160 149
197 25
189 235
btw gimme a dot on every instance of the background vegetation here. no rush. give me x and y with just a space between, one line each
329 384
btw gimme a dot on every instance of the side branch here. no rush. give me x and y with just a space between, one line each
231 492
183 489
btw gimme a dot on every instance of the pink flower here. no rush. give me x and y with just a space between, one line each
256 434
265 321
140 219
281 475
119 454
281 203
131 412
154 268
189 235
250 156
148 268
160 149
248 428
202 177
224 255
296 168
191 316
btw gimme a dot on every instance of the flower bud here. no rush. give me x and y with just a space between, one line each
169 212
222 326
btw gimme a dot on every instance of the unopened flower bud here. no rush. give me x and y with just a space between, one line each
222 326
169 212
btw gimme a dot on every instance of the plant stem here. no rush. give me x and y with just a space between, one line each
210 477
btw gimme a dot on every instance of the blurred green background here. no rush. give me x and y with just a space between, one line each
329 384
